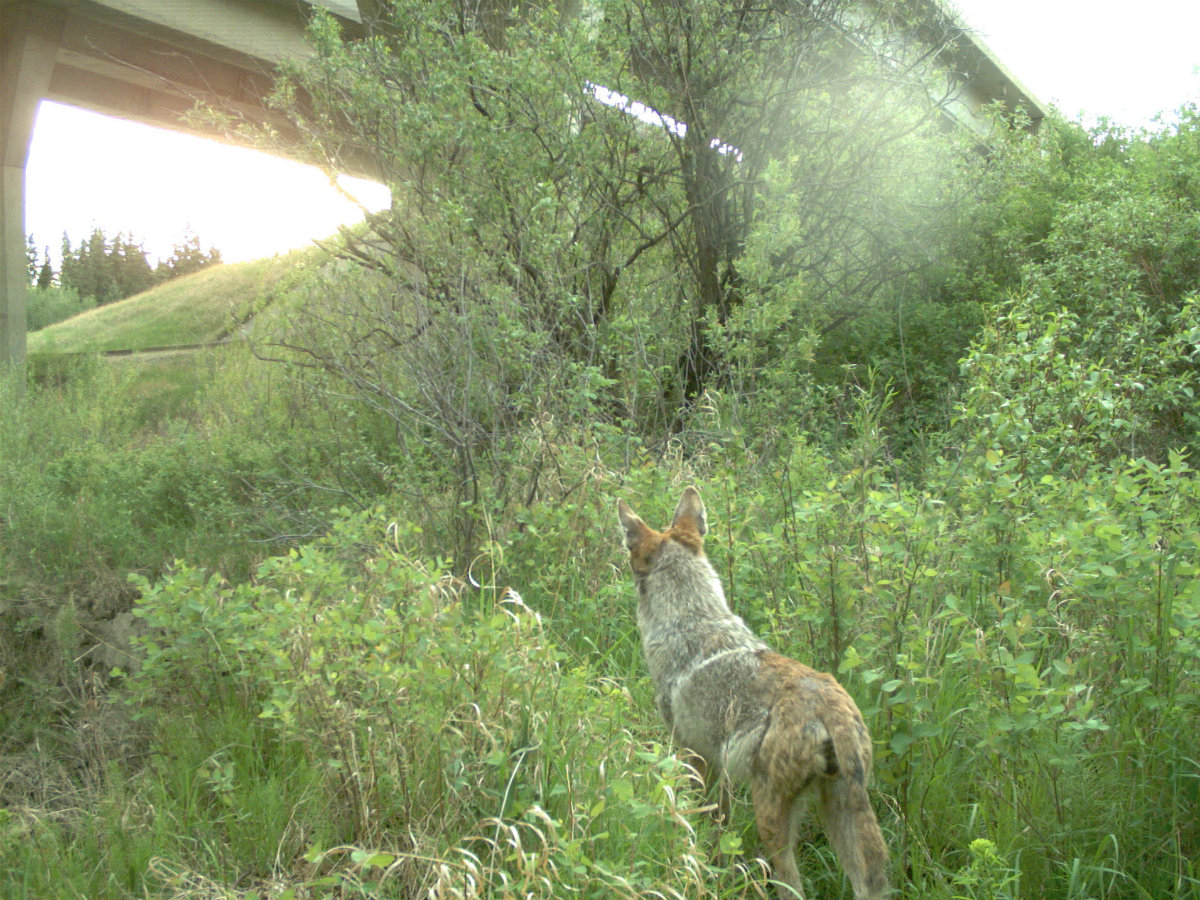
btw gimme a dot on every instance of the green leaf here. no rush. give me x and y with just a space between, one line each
901 741
731 843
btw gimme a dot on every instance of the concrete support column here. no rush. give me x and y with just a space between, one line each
12 267
29 37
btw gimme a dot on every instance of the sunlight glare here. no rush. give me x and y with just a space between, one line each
160 186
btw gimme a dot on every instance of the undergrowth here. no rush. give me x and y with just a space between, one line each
365 716
355 722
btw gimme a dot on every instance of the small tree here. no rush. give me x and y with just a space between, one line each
549 260
41 274
31 259
813 163
46 273
131 270
186 257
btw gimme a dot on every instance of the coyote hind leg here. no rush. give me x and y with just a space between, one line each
776 816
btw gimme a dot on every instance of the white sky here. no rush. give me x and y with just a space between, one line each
1093 58
1090 58
88 170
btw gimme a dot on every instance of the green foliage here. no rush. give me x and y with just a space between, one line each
778 179
1001 559
480 355
103 269
605 268
186 257
207 306
41 275
110 468
984 623
87 491
986 876
216 791
1054 394
31 260
442 728
1097 233
46 306
986 633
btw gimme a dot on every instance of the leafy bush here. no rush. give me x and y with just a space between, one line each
48 305
603 270
1023 644
1024 647
1095 233
1055 394
442 726
87 492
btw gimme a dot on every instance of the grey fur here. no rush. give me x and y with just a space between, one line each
699 653
752 716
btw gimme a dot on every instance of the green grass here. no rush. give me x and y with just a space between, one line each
122 463
210 305
216 801
220 303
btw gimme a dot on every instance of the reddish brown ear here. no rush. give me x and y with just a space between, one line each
635 529
689 514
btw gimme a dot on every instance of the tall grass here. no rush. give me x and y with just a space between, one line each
1025 649
451 750
50 305
355 719
359 715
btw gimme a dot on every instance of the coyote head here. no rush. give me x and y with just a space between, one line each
687 530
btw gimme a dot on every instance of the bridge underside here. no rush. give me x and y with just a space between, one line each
135 59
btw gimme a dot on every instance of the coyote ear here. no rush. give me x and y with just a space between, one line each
635 528
690 511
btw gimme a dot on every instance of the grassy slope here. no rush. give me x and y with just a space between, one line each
206 306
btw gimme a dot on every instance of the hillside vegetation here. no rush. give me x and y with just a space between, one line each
343 610
208 306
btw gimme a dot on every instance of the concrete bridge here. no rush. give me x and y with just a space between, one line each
147 60
152 60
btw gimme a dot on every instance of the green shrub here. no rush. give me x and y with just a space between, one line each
46 306
1024 649
1043 394
443 727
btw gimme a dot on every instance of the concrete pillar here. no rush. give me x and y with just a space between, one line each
29 37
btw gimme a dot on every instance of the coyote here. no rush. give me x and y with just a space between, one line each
750 715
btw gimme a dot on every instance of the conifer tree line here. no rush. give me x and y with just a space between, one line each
104 269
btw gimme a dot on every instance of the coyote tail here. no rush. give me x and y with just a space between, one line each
849 819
